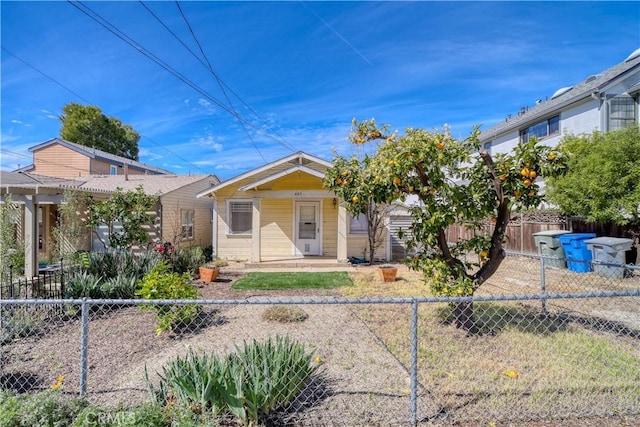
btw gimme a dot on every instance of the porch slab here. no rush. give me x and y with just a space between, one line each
330 264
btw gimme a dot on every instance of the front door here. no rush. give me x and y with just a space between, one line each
307 226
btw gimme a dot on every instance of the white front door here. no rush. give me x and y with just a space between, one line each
307 229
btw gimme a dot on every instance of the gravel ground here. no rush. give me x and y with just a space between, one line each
363 384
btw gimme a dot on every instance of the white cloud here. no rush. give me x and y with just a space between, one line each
208 141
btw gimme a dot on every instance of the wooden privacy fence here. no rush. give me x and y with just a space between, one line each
519 235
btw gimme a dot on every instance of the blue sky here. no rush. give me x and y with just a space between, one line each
296 72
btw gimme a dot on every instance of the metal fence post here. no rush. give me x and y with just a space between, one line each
414 362
61 277
11 281
543 285
83 347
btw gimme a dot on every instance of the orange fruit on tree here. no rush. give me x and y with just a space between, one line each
551 156
338 181
396 181
532 193
532 174
440 146
527 182
355 199
432 191
524 172
410 189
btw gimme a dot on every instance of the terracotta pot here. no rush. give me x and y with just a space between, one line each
388 274
208 274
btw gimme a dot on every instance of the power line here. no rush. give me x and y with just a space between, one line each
44 74
114 30
91 103
223 86
218 80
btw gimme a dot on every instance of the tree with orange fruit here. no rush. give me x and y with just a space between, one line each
456 182
360 189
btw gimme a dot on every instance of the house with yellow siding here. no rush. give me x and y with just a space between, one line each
281 211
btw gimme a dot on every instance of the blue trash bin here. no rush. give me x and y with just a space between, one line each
576 251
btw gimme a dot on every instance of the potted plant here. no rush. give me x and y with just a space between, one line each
209 272
388 273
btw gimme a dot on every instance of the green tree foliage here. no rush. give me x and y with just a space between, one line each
457 183
87 125
602 182
124 214
353 181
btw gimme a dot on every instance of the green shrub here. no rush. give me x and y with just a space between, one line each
161 283
46 409
20 322
187 260
251 383
111 263
83 284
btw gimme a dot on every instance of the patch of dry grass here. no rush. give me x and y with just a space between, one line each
525 365
284 314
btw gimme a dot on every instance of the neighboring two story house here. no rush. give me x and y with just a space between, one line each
64 159
601 102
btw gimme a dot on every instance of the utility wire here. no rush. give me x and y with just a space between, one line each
224 92
114 30
208 66
91 103
44 74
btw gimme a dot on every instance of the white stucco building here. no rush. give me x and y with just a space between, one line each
602 102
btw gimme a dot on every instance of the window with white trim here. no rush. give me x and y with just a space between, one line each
358 225
240 216
186 224
622 112
541 129
113 170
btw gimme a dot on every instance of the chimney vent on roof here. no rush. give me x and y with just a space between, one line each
592 78
633 55
561 92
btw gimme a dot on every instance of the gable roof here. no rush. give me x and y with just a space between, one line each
36 183
270 178
151 184
299 158
563 97
94 153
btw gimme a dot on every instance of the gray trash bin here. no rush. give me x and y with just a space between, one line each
549 244
610 250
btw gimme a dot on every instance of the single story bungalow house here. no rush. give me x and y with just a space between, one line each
281 211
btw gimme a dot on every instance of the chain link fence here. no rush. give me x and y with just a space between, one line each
551 346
